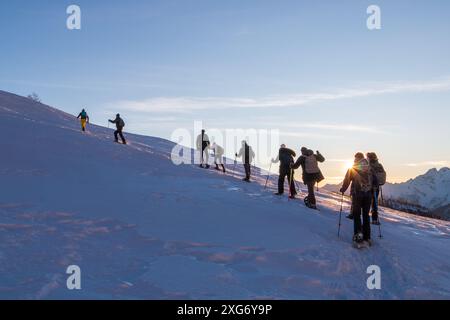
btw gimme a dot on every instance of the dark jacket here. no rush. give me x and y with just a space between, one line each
83 116
378 173
119 123
285 157
309 177
360 178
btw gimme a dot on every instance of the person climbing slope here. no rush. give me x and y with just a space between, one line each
120 124
311 173
203 147
360 178
286 158
378 180
218 156
247 155
83 116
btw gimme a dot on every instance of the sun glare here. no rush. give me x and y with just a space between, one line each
348 164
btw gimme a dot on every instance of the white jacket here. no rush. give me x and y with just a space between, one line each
199 141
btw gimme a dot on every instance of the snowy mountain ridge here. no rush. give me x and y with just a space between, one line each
141 228
430 190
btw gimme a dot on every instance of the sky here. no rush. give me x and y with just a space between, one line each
310 69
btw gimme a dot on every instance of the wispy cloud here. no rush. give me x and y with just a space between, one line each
326 126
187 104
440 163
308 135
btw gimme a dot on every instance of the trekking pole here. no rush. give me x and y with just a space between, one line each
379 220
340 215
268 175
291 177
234 168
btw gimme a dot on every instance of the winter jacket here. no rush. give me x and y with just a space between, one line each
83 115
285 157
202 141
218 150
308 161
247 154
119 123
360 178
378 173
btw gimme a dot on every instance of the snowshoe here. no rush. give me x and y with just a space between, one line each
310 205
278 194
358 241
208 166
350 216
306 201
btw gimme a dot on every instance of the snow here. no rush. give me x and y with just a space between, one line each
430 190
141 228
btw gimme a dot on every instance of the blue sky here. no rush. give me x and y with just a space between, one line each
311 69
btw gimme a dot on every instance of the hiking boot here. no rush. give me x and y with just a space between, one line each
208 166
350 216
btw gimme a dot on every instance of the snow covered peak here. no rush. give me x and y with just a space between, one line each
430 190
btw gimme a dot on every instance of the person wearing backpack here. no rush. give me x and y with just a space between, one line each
247 155
120 124
203 147
378 180
360 178
83 116
286 158
311 173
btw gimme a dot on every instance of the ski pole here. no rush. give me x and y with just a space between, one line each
234 168
268 175
379 220
340 215
291 177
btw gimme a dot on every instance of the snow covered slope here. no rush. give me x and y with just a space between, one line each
140 227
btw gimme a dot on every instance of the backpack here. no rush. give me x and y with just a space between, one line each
379 174
83 115
311 165
363 177
121 123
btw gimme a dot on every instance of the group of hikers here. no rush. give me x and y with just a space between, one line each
365 178
118 121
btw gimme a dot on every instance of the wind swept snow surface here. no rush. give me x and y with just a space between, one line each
141 228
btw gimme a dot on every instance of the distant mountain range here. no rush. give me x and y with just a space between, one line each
427 194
